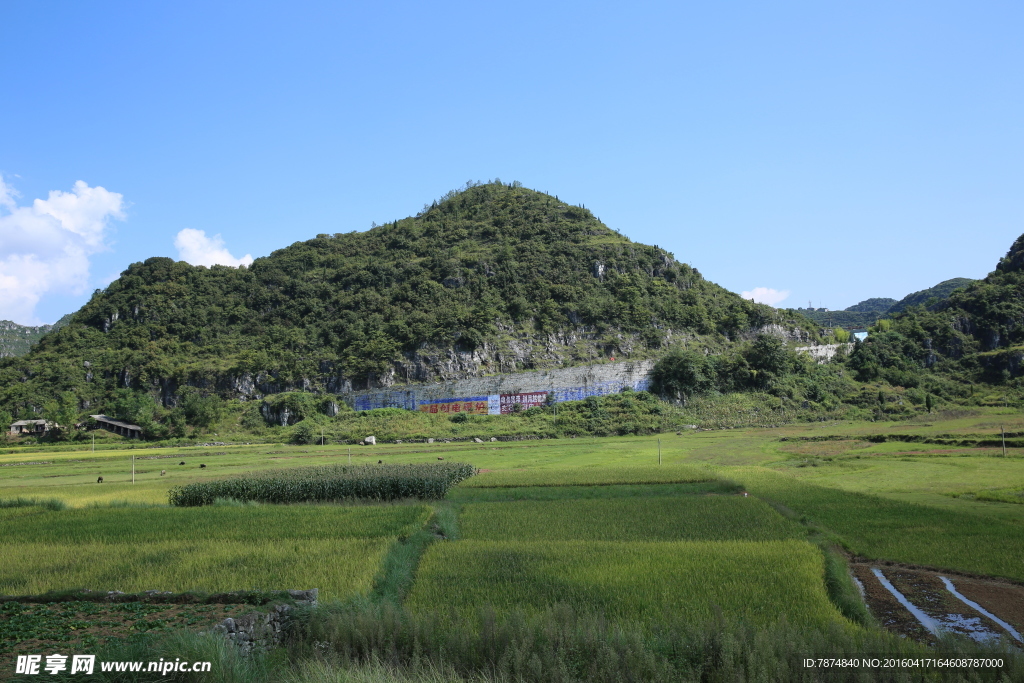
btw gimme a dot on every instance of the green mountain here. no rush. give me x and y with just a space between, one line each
16 340
868 312
876 305
939 291
847 319
975 334
493 278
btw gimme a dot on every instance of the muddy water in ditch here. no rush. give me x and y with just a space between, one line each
927 592
1002 604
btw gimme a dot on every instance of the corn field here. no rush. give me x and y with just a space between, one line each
328 483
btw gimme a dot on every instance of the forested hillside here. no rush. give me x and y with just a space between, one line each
493 278
974 335
939 291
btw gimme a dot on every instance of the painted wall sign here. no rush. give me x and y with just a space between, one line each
475 405
528 400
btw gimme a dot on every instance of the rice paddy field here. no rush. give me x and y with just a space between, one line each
737 525
760 581
679 518
224 548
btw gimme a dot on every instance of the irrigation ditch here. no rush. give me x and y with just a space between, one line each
924 604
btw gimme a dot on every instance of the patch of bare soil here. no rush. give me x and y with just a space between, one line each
887 609
926 591
1004 600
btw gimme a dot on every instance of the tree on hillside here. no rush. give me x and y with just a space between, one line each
63 411
683 373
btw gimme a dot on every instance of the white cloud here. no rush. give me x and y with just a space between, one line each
199 250
46 247
766 295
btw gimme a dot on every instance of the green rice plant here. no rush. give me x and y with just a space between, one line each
477 494
152 493
882 528
21 502
595 474
699 518
328 483
759 581
224 548
338 567
253 524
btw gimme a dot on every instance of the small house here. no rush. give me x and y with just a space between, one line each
118 427
32 427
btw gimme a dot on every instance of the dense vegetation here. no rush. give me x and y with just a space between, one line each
974 335
967 347
328 483
493 278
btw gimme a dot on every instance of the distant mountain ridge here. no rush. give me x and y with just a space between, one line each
876 305
16 340
939 291
868 312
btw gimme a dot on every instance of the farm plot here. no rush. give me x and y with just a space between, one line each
583 476
336 549
642 582
883 528
708 518
479 494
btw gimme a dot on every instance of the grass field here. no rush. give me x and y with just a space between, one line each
633 581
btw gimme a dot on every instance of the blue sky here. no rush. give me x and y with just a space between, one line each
832 151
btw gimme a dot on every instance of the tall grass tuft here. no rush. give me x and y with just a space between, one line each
54 504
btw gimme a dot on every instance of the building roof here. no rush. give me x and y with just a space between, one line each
26 423
116 423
